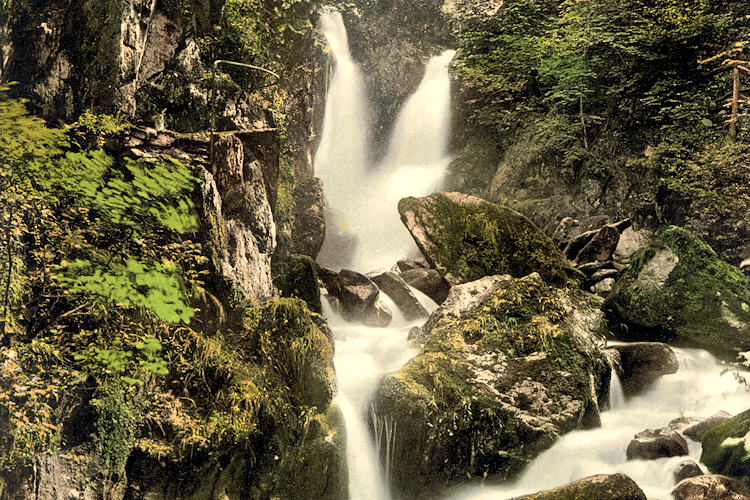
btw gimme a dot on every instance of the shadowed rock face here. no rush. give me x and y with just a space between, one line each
466 238
507 366
653 444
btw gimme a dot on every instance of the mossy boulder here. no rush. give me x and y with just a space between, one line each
297 276
466 238
726 447
494 385
677 289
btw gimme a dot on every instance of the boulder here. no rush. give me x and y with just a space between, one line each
652 444
297 276
601 487
699 429
710 488
631 240
358 298
678 289
507 366
398 290
603 287
725 447
685 470
466 238
639 364
600 247
564 231
429 282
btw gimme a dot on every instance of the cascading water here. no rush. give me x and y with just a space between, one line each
364 200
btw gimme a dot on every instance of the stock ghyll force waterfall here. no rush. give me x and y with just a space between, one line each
363 199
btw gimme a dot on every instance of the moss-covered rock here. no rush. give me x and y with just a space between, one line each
726 447
494 386
678 289
297 276
466 238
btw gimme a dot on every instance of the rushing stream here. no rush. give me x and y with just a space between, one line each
364 197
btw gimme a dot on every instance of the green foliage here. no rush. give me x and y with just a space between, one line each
115 360
117 424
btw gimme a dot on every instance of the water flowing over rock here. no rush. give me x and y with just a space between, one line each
652 444
710 488
725 447
429 282
677 288
601 487
639 364
466 238
495 384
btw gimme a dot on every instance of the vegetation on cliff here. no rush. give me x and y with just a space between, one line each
117 335
613 105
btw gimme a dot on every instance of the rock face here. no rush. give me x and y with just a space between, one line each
601 487
639 364
725 447
710 488
678 288
429 282
685 470
653 444
238 219
466 238
495 384
697 431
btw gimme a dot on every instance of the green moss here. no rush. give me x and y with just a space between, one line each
726 448
469 241
297 276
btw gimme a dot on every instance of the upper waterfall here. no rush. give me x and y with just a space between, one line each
363 227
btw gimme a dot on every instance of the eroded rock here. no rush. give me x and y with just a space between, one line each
710 488
601 487
398 290
652 444
639 364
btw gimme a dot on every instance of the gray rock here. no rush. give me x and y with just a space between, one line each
698 430
685 470
398 290
630 241
710 488
429 282
639 364
309 227
652 444
358 298
600 247
601 487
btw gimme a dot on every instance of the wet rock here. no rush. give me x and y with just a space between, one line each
498 379
407 264
398 290
699 429
725 447
652 444
429 282
685 470
677 288
466 238
601 487
710 488
639 364
358 297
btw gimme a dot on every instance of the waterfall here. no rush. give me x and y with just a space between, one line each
616 393
364 230
363 200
